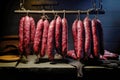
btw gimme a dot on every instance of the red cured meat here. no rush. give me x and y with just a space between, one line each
32 30
38 37
51 40
26 33
74 34
64 37
58 35
100 35
21 25
88 36
95 39
80 38
71 53
44 38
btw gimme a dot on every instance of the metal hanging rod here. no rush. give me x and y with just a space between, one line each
91 11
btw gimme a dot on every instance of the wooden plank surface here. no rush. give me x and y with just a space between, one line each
7 64
45 64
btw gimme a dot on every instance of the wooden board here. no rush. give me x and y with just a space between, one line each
7 64
45 64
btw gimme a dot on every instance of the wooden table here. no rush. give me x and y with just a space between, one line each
59 71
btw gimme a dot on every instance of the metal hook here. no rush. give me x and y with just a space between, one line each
78 15
97 12
43 12
100 4
43 15
94 4
46 17
64 13
54 14
88 12
27 12
22 5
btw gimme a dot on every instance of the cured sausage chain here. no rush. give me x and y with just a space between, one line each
51 38
40 39
26 35
87 39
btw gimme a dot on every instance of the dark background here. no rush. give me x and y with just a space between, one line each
110 20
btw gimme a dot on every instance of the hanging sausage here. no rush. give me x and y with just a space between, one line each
98 44
95 39
58 35
26 33
51 40
101 39
32 32
74 34
80 39
64 37
21 25
38 37
88 37
44 38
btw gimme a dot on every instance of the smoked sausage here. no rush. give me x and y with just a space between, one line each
51 40
64 36
26 33
21 25
95 39
32 30
74 34
44 38
100 35
38 37
58 35
88 38
80 39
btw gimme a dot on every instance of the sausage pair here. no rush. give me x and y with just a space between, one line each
26 34
87 38
78 38
57 37
40 39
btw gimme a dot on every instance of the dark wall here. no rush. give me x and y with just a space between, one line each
111 25
110 20
9 19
